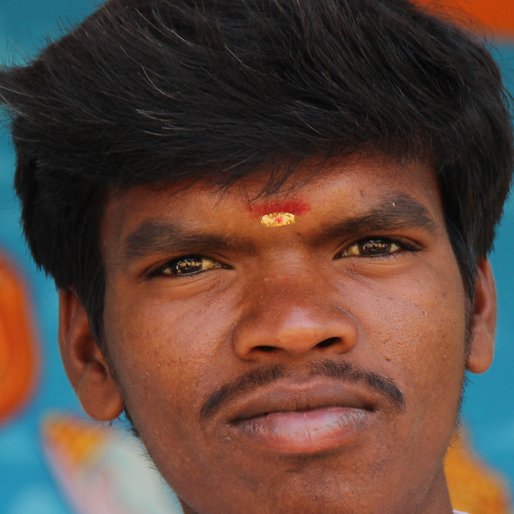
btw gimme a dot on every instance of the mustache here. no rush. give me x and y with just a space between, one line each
268 375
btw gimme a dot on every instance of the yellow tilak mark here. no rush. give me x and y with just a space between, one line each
278 219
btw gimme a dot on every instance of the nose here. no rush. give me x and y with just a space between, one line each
292 319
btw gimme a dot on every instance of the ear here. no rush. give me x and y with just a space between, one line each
84 362
483 323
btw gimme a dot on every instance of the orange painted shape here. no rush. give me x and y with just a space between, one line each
472 485
18 350
495 16
74 439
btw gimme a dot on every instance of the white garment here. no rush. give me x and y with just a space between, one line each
459 512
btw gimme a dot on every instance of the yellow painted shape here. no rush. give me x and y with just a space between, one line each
278 219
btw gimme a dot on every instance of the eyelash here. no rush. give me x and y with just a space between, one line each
161 271
401 247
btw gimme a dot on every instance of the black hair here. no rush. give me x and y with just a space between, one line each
146 91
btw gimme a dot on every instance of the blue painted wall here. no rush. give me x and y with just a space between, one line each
25 485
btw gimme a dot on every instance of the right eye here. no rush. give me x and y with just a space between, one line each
187 266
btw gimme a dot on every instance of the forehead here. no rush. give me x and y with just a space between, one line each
351 187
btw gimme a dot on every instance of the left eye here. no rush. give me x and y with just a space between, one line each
186 266
372 247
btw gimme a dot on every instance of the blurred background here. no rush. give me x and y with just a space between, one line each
40 459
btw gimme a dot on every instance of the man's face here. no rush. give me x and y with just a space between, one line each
312 367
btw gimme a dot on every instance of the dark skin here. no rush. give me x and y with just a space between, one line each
315 367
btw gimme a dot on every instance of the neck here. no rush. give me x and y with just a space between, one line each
437 499
187 509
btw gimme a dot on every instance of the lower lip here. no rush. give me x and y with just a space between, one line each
305 432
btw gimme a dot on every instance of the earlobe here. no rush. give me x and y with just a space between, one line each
85 363
483 322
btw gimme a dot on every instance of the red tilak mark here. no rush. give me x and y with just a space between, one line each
295 207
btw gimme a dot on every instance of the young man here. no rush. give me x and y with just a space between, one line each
269 224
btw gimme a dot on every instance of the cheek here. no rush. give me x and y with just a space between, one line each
415 328
163 352
167 360
413 331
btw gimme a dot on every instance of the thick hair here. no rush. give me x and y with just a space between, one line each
146 91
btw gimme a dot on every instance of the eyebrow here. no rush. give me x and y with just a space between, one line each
158 236
396 213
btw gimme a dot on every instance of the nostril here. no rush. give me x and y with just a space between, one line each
266 349
328 342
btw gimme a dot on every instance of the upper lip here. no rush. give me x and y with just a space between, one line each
313 394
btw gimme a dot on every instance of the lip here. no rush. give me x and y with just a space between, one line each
304 419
